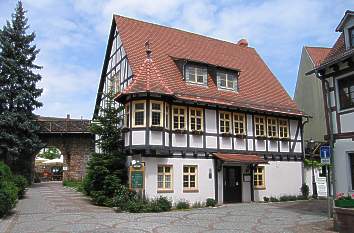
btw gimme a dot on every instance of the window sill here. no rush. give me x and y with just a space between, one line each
157 128
242 136
190 190
227 89
197 132
226 134
165 191
179 131
261 137
259 188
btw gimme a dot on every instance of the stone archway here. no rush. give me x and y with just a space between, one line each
73 139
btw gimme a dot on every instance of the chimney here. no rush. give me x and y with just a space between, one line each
242 43
68 116
148 50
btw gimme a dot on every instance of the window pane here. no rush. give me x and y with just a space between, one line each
139 106
160 169
192 184
185 184
156 106
139 118
167 169
191 169
185 169
155 118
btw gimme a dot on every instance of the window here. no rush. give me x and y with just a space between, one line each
179 117
259 122
190 178
196 74
239 123
351 165
226 80
127 114
196 119
167 116
346 92
156 113
351 37
272 127
283 128
164 178
225 120
259 178
139 113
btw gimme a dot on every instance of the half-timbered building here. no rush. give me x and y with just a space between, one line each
336 74
205 117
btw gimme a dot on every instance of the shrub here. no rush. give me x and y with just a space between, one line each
137 206
305 191
164 203
266 199
274 199
198 204
182 205
21 184
5 172
77 185
210 202
8 196
287 198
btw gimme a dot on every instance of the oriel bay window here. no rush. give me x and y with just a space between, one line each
126 115
272 127
239 123
167 116
156 118
179 118
260 128
139 113
164 178
190 178
225 122
196 119
283 128
259 178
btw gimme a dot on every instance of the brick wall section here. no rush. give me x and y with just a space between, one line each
76 149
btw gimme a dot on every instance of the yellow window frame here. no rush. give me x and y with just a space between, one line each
135 111
164 174
271 123
179 115
238 119
189 174
229 121
259 178
159 111
258 124
195 116
283 128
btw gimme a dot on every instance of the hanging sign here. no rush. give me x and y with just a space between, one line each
325 154
136 173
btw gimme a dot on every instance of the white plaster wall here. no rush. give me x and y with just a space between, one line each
341 159
284 146
211 142
293 128
126 138
206 185
138 137
225 143
281 178
179 140
167 139
250 144
196 141
249 125
155 138
272 145
308 177
260 145
334 122
298 147
246 186
210 121
240 144
347 122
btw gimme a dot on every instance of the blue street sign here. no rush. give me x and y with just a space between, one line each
325 152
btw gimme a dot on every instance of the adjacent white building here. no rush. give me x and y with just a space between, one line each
336 73
205 117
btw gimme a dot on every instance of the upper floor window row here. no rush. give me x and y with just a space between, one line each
226 80
271 127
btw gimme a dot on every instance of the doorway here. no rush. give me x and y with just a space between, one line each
232 184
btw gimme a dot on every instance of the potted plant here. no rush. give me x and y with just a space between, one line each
180 131
227 134
197 132
240 135
156 128
344 212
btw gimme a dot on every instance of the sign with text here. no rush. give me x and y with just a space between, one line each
321 184
325 154
136 176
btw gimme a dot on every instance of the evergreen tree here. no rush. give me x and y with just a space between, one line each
18 94
106 169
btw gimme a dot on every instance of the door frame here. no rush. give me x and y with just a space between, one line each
223 183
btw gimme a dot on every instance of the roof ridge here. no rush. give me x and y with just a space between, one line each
317 47
181 30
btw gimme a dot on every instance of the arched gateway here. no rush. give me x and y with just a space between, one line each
73 138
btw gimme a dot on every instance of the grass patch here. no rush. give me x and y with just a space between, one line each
77 185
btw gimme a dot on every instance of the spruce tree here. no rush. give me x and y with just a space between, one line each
106 170
18 94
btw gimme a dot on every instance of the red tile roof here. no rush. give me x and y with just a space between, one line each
317 54
258 87
240 158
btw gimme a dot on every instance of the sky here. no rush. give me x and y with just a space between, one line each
72 36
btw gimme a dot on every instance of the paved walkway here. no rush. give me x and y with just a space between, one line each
52 208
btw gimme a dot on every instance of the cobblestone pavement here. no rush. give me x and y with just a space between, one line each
52 208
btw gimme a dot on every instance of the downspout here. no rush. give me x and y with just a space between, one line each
303 147
330 132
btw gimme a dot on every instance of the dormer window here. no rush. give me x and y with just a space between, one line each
196 74
227 80
351 37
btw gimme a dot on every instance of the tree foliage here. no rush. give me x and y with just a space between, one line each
50 153
18 93
106 169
